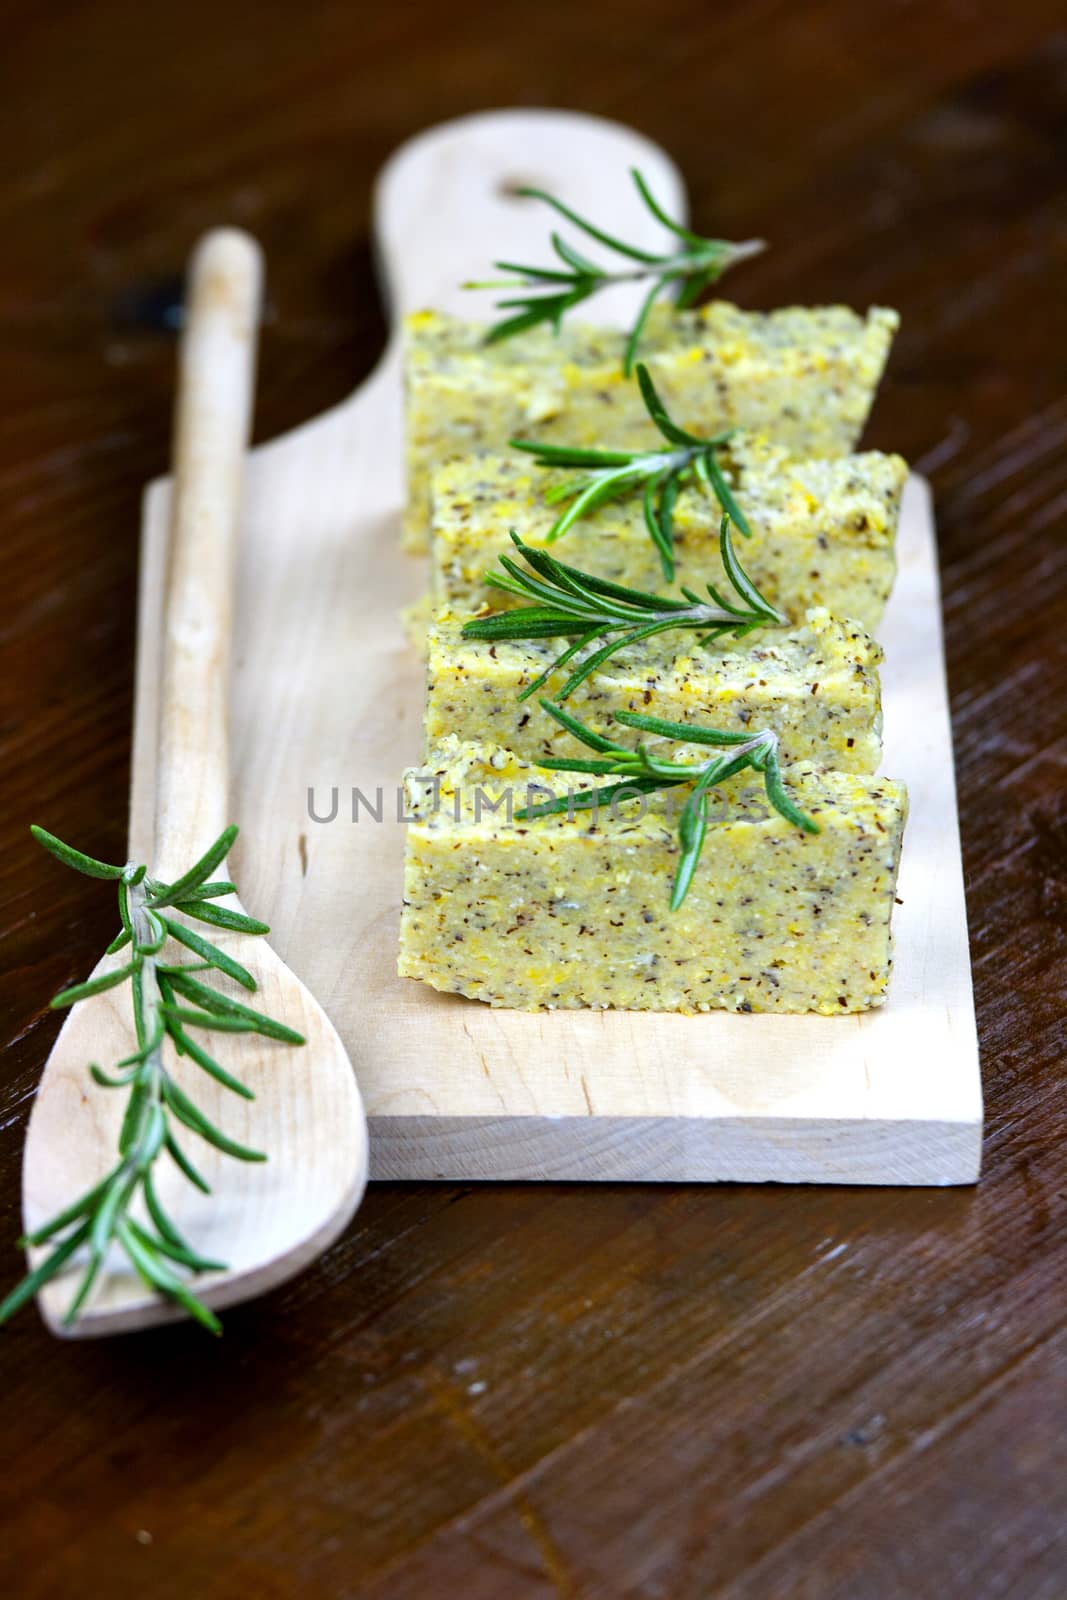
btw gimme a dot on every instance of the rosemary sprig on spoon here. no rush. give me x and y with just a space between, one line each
569 603
168 1002
642 772
611 474
546 294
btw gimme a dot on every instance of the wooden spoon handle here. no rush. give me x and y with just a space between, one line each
212 427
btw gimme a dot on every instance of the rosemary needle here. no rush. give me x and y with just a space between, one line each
546 294
156 1107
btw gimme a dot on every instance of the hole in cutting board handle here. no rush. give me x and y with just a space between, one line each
511 188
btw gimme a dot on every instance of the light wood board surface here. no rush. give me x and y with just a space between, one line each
327 693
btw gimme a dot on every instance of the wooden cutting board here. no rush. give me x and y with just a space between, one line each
327 694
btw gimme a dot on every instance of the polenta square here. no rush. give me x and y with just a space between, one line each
816 686
823 533
805 375
571 911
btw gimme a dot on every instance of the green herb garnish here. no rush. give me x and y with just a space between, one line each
611 474
168 1001
569 603
641 772
691 268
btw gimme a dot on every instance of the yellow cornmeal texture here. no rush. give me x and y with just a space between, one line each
807 375
823 532
816 686
556 913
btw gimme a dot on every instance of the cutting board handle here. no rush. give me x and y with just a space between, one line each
446 205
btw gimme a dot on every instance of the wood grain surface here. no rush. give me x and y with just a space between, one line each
606 1392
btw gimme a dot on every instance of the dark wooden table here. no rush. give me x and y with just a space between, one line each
514 1392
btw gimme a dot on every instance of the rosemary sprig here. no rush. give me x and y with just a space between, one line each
611 474
167 1002
641 772
572 604
546 294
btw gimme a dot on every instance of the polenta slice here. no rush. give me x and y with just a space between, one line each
806 375
562 911
823 532
816 686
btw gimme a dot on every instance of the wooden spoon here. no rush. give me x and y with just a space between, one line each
267 1221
